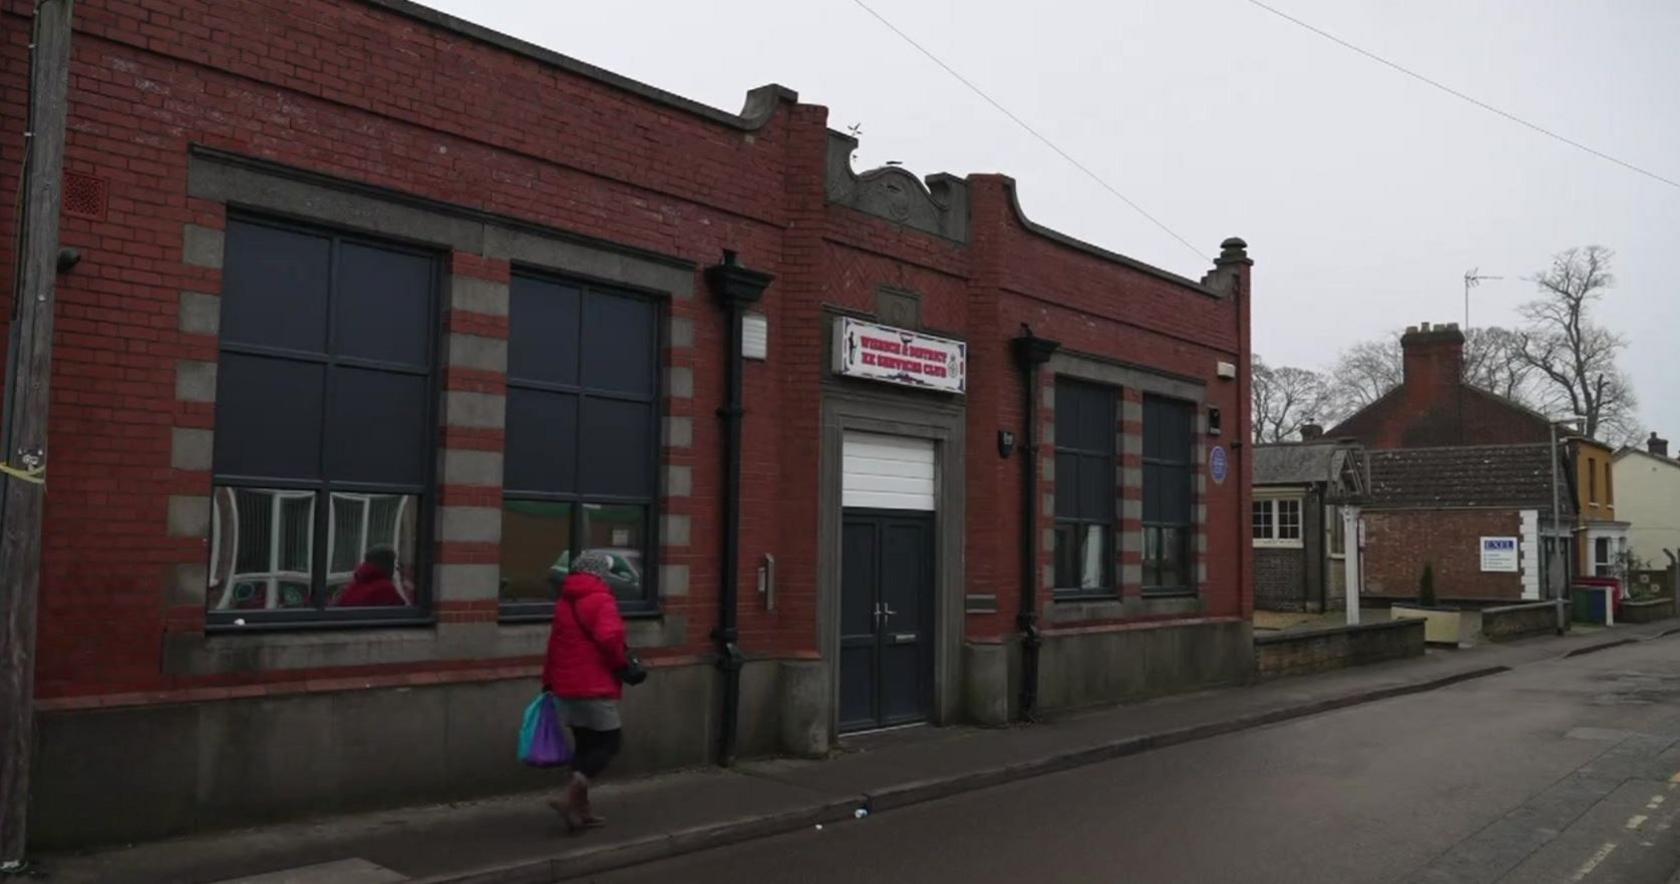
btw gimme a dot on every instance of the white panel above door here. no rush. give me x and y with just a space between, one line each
887 472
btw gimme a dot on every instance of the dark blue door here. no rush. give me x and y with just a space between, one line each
886 618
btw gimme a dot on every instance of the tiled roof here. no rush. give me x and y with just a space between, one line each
1295 463
1470 476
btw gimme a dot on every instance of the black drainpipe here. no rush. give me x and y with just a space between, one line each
1031 352
736 288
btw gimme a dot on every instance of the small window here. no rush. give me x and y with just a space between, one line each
1604 563
1086 427
1609 489
1277 522
1335 531
324 426
1169 447
1592 480
581 457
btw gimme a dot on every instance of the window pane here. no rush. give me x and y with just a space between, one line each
1151 556
1172 561
1091 555
1067 484
543 331
618 343
1069 404
621 532
536 540
268 417
1338 532
378 429
1096 488
371 548
617 448
1166 493
1289 520
1262 520
274 287
1065 554
263 547
1167 427
382 306
542 431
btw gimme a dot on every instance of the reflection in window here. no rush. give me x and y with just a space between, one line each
324 428
263 550
579 467
536 538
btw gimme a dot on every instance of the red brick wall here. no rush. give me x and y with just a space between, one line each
348 90
1399 543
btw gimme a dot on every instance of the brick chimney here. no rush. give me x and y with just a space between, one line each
1311 432
1434 357
1657 445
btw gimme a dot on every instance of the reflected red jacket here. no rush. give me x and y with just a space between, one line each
370 587
586 644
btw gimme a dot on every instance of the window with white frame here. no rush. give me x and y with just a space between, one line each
1277 521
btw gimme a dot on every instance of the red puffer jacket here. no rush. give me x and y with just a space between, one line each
586 646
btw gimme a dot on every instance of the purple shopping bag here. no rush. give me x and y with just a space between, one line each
541 741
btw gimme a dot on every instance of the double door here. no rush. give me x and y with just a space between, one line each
886 618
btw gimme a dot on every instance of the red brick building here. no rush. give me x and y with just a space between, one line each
362 282
1459 479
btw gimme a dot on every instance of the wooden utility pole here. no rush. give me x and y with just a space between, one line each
23 435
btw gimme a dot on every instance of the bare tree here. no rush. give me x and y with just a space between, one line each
1285 398
1575 358
1363 373
1491 363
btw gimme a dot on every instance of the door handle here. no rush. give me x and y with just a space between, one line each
886 609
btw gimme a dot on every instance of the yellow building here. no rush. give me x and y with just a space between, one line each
1601 541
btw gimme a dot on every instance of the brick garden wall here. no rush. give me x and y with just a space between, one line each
1399 543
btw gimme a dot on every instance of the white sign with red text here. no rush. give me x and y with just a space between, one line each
899 356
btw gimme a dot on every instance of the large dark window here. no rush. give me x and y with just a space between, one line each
324 426
1085 488
1168 508
582 439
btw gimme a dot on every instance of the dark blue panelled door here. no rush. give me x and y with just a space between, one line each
886 618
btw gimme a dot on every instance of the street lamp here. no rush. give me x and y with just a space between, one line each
1556 581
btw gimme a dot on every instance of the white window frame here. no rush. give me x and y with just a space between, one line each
1273 500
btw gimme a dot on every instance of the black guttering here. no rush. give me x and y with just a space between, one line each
1031 352
736 288
760 106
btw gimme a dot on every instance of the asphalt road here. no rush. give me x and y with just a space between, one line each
1566 771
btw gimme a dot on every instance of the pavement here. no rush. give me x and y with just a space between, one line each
940 774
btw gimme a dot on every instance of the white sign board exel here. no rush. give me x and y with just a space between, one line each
899 356
1500 554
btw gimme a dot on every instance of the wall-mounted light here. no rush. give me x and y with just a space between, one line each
1006 443
1226 370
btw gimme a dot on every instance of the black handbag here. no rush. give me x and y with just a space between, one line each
634 673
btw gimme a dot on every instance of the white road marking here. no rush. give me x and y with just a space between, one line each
1594 861
1636 820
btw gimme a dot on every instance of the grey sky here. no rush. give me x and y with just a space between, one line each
1364 195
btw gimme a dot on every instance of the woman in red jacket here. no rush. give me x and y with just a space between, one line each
586 653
